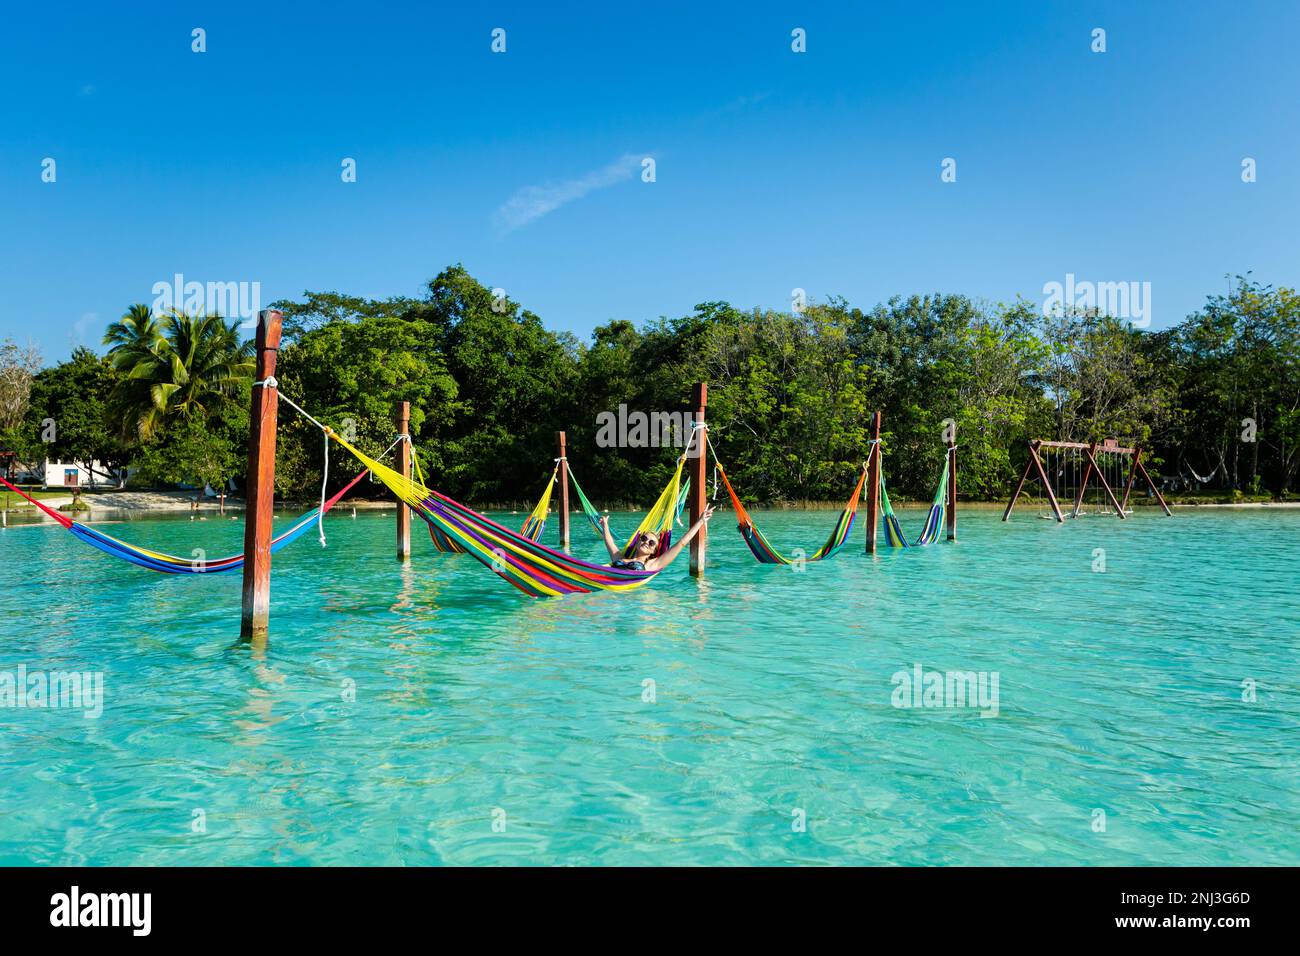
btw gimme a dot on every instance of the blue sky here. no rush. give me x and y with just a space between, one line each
774 170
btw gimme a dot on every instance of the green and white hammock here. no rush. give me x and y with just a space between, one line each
933 521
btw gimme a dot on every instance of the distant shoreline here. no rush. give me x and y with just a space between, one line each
104 504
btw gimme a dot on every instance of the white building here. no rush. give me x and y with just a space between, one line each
60 474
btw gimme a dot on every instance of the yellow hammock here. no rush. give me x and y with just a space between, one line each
535 523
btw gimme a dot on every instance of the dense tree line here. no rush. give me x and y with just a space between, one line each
1216 399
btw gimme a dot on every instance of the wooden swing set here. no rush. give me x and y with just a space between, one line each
1078 464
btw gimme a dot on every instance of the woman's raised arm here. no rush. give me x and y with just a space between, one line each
667 558
615 552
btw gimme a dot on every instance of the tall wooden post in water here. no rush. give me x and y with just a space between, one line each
697 466
873 484
260 488
563 477
952 488
402 419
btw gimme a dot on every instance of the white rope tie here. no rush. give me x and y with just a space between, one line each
301 411
270 382
324 480
696 428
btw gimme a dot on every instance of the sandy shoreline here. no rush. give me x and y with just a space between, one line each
182 501
168 501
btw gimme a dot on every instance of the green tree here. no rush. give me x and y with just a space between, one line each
609 373
788 405
514 384
318 309
350 375
1239 362
186 451
67 418
18 368
936 359
179 366
790 394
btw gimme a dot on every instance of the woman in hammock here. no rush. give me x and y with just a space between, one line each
643 559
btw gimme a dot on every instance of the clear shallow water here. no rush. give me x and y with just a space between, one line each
1118 691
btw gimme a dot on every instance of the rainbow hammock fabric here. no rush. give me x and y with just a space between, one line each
170 563
933 520
533 568
533 527
762 548
441 541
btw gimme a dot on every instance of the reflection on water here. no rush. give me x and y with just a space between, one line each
397 705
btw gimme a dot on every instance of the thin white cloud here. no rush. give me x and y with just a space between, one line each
82 326
533 202
741 103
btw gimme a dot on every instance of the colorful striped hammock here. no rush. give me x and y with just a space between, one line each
533 568
170 563
762 548
933 520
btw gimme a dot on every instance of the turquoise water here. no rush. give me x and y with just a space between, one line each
1119 692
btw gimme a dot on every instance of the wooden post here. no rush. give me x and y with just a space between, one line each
260 487
564 490
1152 485
952 489
873 484
698 467
1020 486
402 419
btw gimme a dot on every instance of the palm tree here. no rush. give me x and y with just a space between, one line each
176 366
135 334
135 342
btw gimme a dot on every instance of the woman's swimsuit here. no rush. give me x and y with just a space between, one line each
623 565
